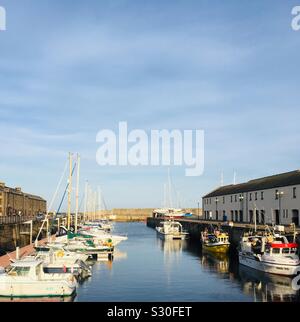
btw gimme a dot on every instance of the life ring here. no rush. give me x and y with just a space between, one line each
60 253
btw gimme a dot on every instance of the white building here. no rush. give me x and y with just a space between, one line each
273 200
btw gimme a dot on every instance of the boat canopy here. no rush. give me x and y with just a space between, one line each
289 245
27 263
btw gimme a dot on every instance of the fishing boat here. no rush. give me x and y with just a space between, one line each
217 242
27 279
270 252
171 230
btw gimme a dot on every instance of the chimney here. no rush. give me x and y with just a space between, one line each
18 189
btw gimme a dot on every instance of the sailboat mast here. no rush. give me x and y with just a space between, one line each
165 205
95 205
77 192
69 191
170 189
100 201
85 201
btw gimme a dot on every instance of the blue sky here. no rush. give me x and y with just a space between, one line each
71 68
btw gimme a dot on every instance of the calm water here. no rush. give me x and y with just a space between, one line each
146 268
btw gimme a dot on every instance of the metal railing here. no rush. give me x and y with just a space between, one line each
14 219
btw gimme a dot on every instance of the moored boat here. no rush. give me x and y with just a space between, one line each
171 230
217 242
270 253
26 279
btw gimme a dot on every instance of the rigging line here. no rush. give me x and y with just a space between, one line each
65 192
52 201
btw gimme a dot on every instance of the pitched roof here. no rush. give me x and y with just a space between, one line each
275 181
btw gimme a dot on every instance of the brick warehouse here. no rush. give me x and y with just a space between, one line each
15 202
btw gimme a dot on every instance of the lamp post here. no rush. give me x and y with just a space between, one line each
241 198
279 195
198 210
217 215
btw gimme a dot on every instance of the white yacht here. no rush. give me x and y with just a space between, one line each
26 279
171 230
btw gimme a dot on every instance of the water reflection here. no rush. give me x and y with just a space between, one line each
259 286
215 262
267 287
171 246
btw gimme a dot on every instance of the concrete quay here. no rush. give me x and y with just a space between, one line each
195 226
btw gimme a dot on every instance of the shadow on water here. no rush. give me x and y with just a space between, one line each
262 287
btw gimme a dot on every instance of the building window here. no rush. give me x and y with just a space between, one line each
294 193
223 199
276 194
255 195
250 196
230 198
262 195
210 200
235 198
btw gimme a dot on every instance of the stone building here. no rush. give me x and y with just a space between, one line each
15 202
269 200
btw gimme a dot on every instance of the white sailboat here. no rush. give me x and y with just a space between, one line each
168 210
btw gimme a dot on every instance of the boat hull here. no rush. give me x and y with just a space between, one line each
217 248
36 289
271 268
172 236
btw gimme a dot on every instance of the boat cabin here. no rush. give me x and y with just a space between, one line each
171 227
27 268
278 248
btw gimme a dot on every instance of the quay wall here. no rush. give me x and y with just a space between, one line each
18 235
131 214
194 227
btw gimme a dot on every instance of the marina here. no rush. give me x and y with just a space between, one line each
181 269
149 154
